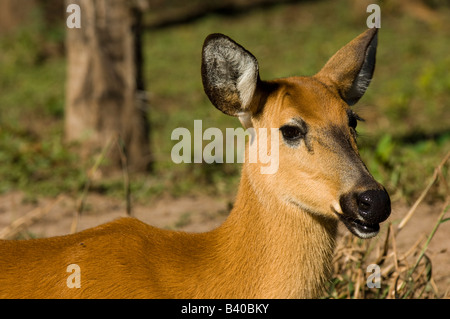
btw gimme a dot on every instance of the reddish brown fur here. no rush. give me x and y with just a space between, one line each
277 242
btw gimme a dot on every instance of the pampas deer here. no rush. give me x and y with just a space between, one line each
277 241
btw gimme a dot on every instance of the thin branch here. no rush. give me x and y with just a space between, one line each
437 172
91 174
31 217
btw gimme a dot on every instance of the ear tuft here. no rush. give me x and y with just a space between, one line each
229 73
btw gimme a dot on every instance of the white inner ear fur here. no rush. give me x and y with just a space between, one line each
363 81
246 83
246 119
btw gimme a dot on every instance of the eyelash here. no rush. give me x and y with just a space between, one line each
353 119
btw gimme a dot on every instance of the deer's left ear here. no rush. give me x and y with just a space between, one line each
350 70
229 74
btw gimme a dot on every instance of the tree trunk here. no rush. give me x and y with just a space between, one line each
105 92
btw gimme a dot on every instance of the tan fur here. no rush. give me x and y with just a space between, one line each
277 242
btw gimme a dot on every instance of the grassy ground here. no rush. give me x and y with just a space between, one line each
405 136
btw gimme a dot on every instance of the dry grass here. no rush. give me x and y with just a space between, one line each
403 274
31 217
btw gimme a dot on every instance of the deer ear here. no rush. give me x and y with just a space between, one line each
350 70
229 74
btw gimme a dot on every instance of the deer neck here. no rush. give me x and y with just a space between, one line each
279 251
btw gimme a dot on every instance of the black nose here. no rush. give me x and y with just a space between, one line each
374 205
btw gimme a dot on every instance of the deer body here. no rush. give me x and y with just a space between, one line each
128 258
279 238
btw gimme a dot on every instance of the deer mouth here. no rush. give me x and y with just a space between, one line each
360 228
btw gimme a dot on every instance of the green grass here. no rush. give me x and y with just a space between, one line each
406 133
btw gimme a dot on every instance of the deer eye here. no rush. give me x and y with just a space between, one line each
352 122
292 132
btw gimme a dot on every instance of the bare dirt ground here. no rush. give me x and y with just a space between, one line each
199 214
